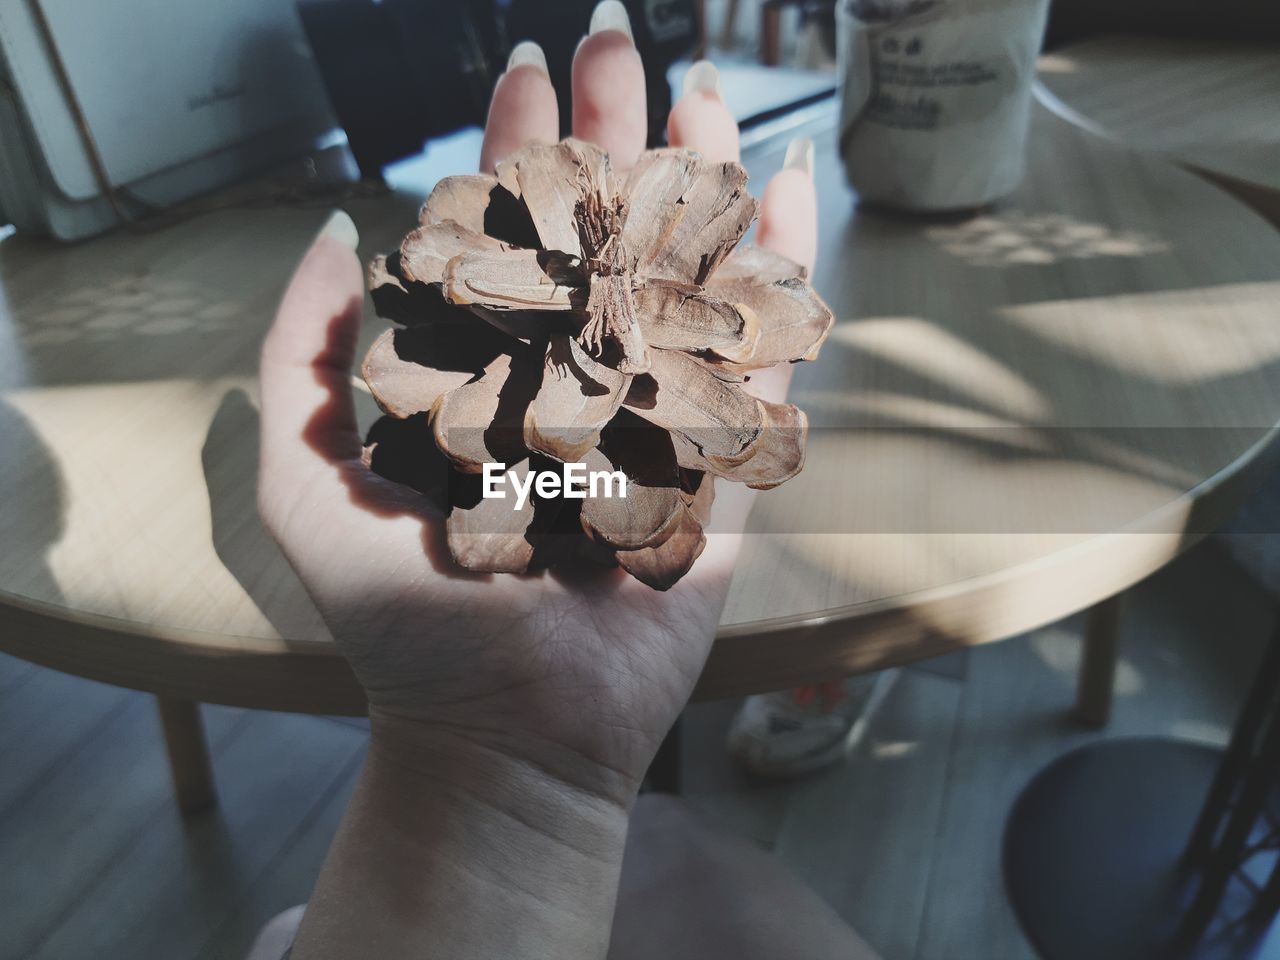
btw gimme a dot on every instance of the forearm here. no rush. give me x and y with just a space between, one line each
453 850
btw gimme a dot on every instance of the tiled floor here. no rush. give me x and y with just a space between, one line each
903 838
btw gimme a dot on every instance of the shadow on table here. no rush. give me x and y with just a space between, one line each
32 503
992 364
230 461
1122 464
1039 315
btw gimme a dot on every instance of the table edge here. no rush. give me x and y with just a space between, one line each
313 677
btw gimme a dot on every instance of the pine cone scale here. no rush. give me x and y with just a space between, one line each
682 317
426 251
462 199
482 421
577 399
510 280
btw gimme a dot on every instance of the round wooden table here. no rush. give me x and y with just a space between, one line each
1017 416
1212 105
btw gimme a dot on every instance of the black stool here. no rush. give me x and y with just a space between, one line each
1096 859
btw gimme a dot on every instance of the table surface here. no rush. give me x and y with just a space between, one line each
1016 416
1214 105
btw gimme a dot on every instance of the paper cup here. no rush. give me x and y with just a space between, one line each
935 98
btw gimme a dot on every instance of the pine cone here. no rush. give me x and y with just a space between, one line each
555 311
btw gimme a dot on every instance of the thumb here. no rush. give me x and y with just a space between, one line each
308 414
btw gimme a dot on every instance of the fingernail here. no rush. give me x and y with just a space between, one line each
340 227
703 77
529 54
610 15
799 155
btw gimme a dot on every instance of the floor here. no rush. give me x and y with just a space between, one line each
903 838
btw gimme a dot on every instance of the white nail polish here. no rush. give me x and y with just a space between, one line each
340 227
528 54
799 155
703 77
610 15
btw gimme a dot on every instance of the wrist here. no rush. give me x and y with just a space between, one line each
435 754
487 794
451 849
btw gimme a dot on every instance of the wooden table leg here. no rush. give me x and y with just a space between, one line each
1098 663
771 33
726 29
700 12
188 755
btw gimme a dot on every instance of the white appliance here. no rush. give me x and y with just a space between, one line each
110 108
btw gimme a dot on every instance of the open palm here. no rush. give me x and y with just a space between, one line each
581 675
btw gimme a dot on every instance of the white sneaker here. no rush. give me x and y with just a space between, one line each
791 732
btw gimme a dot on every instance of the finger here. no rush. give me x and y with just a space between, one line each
608 87
700 120
789 209
789 226
524 108
308 417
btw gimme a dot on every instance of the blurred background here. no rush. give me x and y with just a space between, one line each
112 113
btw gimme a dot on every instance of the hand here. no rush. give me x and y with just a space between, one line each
580 679
513 717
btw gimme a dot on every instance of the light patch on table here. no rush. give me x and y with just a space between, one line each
818 571
826 571
934 352
869 408
1173 338
136 506
1008 479
1016 237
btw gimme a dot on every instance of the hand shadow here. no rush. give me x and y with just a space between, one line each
32 506
230 461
